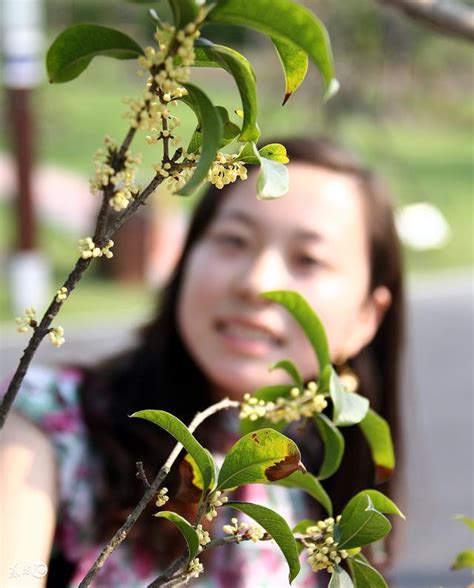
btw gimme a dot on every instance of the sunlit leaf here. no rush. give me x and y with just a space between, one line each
74 48
340 579
180 432
465 559
377 433
290 368
277 527
295 65
275 152
333 441
364 575
311 485
466 520
381 502
211 128
349 408
186 529
242 71
249 154
259 457
229 132
184 11
284 20
302 312
272 180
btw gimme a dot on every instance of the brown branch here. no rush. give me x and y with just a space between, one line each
132 518
449 17
141 474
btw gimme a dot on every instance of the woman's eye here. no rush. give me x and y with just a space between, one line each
307 261
229 240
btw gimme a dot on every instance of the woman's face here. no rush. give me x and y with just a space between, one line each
314 241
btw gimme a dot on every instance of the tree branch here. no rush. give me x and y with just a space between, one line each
150 493
449 17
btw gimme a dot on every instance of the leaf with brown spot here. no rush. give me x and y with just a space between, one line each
284 468
259 457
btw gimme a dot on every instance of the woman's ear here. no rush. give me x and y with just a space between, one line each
370 318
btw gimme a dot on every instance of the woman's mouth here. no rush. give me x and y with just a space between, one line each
247 337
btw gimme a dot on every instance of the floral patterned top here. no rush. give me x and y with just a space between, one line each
49 398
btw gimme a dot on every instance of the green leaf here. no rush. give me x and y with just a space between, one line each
311 485
267 393
249 154
295 65
211 127
302 312
242 71
301 528
364 575
361 523
184 11
349 408
333 446
275 152
74 48
259 457
381 502
340 579
186 529
282 20
272 179
229 131
377 433
277 527
465 559
180 432
466 520
291 369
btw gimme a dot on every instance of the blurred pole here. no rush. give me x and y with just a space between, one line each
22 23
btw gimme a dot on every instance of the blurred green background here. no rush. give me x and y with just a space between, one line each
405 106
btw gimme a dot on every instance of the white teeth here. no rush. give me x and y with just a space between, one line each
245 332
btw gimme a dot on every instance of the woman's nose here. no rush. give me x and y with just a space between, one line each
266 271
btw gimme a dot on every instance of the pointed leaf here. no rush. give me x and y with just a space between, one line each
295 65
229 132
180 432
311 485
249 154
186 529
267 393
284 20
302 312
381 502
190 481
340 579
74 48
259 457
272 180
377 433
184 11
291 369
277 527
275 152
465 559
361 523
349 408
242 71
333 446
364 575
466 520
211 127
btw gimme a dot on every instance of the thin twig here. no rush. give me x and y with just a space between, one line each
449 17
132 518
141 474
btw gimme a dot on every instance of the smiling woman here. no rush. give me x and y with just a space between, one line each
331 239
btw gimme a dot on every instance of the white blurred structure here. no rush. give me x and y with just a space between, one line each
422 226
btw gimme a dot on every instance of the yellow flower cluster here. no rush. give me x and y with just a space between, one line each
323 553
203 536
217 499
225 170
87 248
195 569
293 408
162 497
26 321
61 294
242 529
56 336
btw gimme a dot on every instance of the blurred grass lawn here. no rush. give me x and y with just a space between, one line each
423 157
